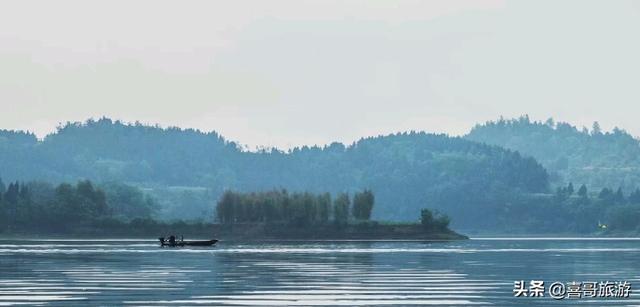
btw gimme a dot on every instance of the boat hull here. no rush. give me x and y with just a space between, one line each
189 243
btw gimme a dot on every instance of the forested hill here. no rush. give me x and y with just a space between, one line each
407 171
582 156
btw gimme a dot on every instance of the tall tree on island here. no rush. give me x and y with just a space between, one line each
341 209
619 197
363 204
324 207
582 192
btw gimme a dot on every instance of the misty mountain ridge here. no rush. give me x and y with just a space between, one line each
407 171
478 179
593 157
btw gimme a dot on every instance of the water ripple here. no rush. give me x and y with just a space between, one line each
136 272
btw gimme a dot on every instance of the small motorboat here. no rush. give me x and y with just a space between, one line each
182 243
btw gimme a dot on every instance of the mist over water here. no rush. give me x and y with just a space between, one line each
349 273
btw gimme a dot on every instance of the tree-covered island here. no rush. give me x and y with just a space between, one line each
115 209
278 214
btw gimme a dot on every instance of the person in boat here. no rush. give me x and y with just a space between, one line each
172 240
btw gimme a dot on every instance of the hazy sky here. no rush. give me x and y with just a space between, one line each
287 73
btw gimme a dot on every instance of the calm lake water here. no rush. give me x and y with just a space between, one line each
139 273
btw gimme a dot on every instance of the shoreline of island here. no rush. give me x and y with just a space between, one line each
84 211
250 232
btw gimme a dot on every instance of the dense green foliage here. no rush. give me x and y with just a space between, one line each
362 205
341 209
408 171
592 157
572 212
126 202
41 207
297 209
280 214
434 221
595 159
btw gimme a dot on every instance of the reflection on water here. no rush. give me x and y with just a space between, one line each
474 272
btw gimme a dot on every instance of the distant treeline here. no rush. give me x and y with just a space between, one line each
300 209
41 207
572 210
